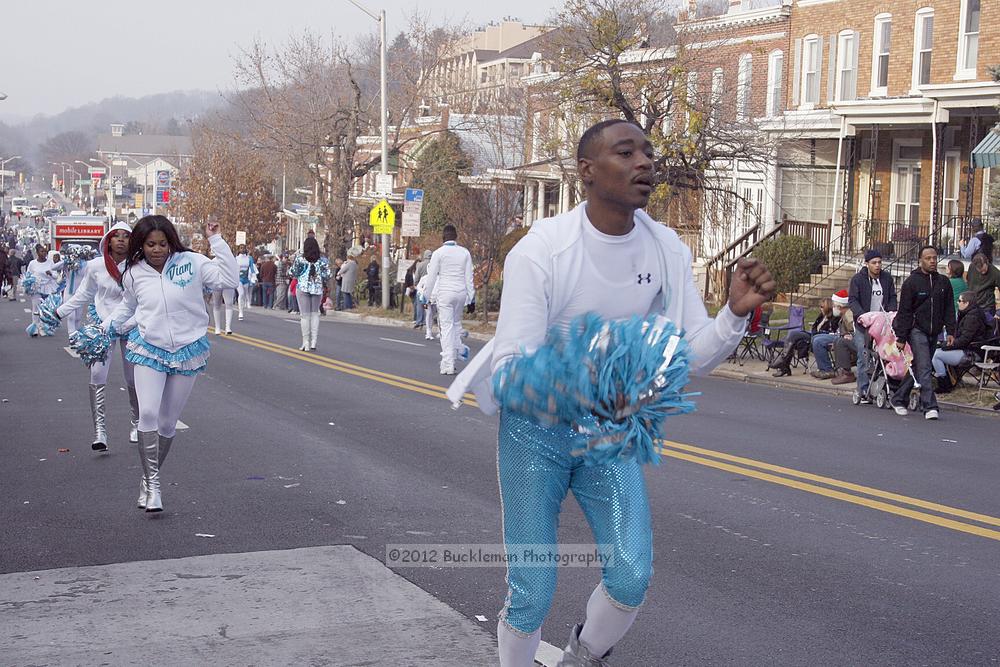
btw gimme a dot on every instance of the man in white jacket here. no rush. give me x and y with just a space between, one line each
449 284
608 257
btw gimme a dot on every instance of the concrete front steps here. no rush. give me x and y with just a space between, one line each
833 277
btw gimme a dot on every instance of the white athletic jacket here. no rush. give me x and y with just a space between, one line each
539 275
450 271
169 307
97 286
45 279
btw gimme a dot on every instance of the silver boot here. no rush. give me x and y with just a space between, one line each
578 655
149 455
97 410
143 491
133 402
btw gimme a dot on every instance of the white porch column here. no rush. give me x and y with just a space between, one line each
529 211
540 201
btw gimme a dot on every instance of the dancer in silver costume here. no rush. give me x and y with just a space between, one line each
100 287
608 257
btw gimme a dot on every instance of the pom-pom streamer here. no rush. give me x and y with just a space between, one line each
613 381
28 283
91 343
47 313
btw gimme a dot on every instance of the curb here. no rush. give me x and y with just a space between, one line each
746 378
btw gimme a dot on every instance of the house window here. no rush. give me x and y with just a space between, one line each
968 39
812 57
847 65
807 194
775 64
923 38
743 75
880 55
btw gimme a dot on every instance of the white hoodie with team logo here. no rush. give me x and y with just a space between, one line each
169 306
98 286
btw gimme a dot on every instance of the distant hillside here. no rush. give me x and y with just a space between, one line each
164 113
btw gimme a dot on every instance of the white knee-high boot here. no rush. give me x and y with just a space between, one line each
517 650
229 319
217 317
313 329
304 323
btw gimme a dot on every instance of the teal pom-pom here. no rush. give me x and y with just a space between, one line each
615 382
28 283
91 343
47 313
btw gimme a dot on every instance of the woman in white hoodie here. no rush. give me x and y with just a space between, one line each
163 284
100 287
46 283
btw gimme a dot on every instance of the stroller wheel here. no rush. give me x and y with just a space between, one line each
880 400
855 397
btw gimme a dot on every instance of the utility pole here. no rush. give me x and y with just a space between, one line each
384 110
3 164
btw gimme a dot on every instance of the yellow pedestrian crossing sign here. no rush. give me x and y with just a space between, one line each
382 218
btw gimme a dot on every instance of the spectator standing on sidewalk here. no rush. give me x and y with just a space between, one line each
871 290
956 276
984 279
980 241
268 278
374 284
14 269
971 327
348 275
280 283
926 307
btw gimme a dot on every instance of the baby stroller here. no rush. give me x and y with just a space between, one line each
889 366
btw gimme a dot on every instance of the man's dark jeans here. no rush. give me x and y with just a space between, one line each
268 294
923 350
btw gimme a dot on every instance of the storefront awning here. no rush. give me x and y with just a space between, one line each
987 153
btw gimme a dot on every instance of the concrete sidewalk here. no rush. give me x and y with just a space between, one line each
328 605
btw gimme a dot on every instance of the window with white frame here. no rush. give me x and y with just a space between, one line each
743 75
812 58
880 55
923 40
807 194
847 65
775 65
968 39
717 82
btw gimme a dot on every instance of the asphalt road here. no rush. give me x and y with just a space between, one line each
790 528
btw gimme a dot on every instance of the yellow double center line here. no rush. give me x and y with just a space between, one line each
857 494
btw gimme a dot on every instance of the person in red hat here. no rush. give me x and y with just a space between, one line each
822 343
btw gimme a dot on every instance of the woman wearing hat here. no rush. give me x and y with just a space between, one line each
822 343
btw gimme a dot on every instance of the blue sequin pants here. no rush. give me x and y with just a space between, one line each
536 469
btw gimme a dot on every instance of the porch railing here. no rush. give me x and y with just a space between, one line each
719 269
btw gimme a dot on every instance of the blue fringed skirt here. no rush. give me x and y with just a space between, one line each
189 360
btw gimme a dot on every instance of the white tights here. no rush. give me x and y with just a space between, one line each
244 291
606 623
161 399
220 296
516 649
99 371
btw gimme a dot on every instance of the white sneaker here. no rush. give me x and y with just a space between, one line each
447 370
900 410
218 331
427 337
931 414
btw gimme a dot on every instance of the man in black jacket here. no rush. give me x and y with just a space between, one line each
926 306
872 289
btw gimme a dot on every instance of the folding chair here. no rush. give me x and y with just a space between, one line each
750 345
773 347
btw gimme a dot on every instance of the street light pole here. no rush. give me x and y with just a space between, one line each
384 110
110 192
3 194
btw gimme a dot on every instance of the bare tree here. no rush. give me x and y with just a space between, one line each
622 58
313 99
229 183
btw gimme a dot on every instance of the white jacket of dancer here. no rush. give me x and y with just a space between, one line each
45 272
169 307
450 272
540 274
98 285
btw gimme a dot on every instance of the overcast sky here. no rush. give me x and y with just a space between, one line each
64 53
